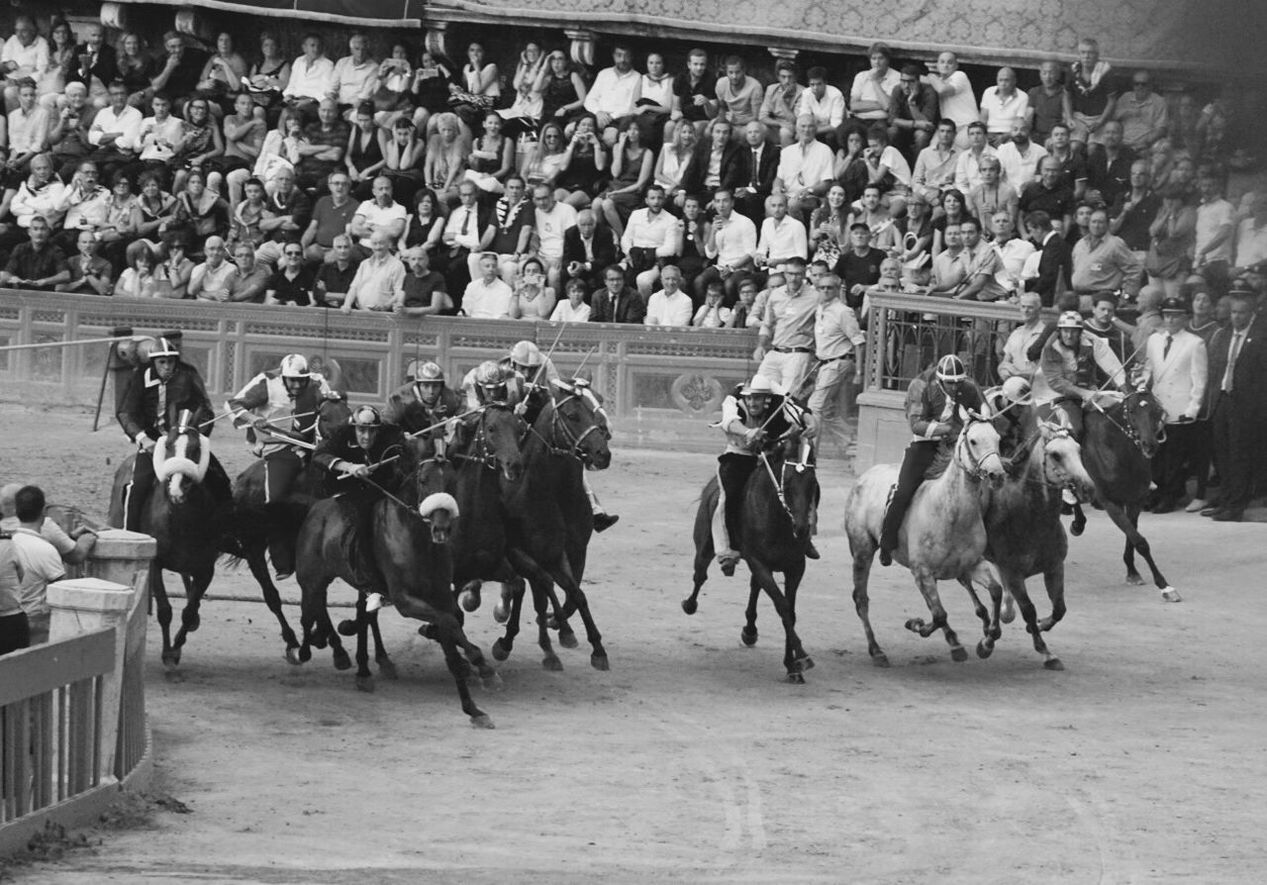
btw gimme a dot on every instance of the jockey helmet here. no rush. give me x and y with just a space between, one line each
164 347
294 366
525 357
490 382
1070 319
366 417
427 373
1016 389
950 369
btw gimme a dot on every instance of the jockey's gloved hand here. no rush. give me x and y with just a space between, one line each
754 435
261 424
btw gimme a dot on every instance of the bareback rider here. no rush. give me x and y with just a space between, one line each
933 410
262 407
363 461
425 403
153 400
1066 378
753 415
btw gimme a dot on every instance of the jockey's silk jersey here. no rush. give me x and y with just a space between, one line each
515 384
406 409
1062 372
927 405
151 407
265 396
736 422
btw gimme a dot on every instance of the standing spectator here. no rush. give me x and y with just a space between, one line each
1238 372
310 78
1092 99
36 264
838 348
24 55
1016 361
552 221
936 165
1135 210
739 95
1054 268
992 194
354 77
38 561
785 343
913 113
617 303
954 92
694 96
968 167
1176 363
805 168
1109 165
670 306
1142 113
1046 102
1019 156
15 626
379 283
614 95
779 105
1102 261
1003 105
859 267
1215 230
824 103
1171 237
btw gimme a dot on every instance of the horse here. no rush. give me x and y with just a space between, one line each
410 545
778 505
1024 535
191 528
550 519
249 490
1117 447
942 535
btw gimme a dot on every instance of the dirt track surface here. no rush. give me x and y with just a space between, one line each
691 760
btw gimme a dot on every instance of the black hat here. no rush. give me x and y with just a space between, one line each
1175 304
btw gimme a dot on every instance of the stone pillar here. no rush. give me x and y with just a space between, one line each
582 49
122 557
434 41
81 605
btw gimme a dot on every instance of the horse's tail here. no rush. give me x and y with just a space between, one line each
242 528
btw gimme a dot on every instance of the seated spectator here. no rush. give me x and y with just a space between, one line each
614 95
739 95
431 82
1081 221
213 279
23 56
849 166
748 170
40 194
650 239
778 107
824 104
121 222
561 88
829 226
544 160
1102 261
887 168
200 144
1070 158
156 206
463 234
90 274
535 300
709 161
379 283
655 99
532 61
691 259
39 562
37 263
670 306
1049 194
221 77
138 279
951 264
425 228
331 216
160 137
292 282
1016 361
1002 106
1109 166
917 240
178 71
954 209
1046 102
617 302
968 167
552 221
392 97
267 78
632 162
446 155
115 131
805 168
956 100
252 278
743 315
992 194
712 314
353 78
492 156
913 113
95 67
983 262
487 297
287 214
135 68
1019 156
731 243
573 309
363 157
174 273
482 87
878 220
781 237
279 145
584 166
587 251
872 90
200 212
68 136
404 155
381 213
244 227
310 78
28 127
321 152
509 231
86 203
1012 252
1092 96
1141 112
425 289
334 277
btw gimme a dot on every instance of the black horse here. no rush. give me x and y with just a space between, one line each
778 504
1117 448
550 520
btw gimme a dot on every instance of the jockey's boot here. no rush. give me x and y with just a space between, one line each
811 552
604 520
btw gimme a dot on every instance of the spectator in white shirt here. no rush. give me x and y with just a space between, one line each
214 278
382 213
873 89
379 283
552 221
354 78
655 234
968 169
615 94
574 309
935 166
838 344
1216 228
1016 361
115 131
310 78
28 128
731 242
40 194
954 92
782 237
489 297
670 306
825 103
1019 156
25 54
806 168
1002 105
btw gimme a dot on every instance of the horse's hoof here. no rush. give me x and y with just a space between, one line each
347 627
482 720
984 651
1053 664
1076 528
551 662
880 659
1170 594
1134 580
294 656
690 606
342 661
387 668
804 664
959 654
500 613
170 660
796 679
469 600
914 624
500 652
748 635
365 683
599 662
567 638
305 654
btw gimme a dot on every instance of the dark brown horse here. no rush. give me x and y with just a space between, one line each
248 491
1117 448
550 519
778 505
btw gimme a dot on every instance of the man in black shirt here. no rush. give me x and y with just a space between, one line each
36 264
860 266
1135 209
1049 194
1109 164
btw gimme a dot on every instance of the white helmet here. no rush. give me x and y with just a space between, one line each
294 366
1070 319
1016 389
526 353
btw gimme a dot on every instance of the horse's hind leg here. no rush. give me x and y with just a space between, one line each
195 587
1016 586
272 598
703 556
576 597
791 583
862 604
928 589
749 633
386 668
540 602
461 670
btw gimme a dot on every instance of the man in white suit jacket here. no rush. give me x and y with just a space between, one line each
1177 371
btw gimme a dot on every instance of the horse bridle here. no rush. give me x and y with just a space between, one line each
485 453
779 481
975 468
1127 429
559 428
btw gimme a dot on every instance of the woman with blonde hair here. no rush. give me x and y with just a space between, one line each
673 167
446 157
545 161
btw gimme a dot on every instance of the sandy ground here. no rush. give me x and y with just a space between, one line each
691 760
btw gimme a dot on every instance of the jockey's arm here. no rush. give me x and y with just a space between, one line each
251 397
1062 382
1108 362
922 424
129 414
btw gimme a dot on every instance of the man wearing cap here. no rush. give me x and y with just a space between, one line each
932 410
363 461
155 396
1176 363
754 413
423 403
1066 371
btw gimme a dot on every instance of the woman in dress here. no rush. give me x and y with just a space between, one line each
200 141
480 87
446 158
222 75
632 162
492 157
62 60
562 89
122 221
135 69
829 227
200 212
850 168
535 298
430 90
364 155
673 167
424 228
268 77
584 165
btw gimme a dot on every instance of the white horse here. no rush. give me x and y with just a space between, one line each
942 535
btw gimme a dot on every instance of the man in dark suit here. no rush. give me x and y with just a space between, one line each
1238 385
748 170
95 64
617 302
1053 263
587 251
709 163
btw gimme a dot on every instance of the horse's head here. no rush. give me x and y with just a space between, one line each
581 422
497 433
439 510
1062 458
1144 420
800 484
181 459
332 413
977 450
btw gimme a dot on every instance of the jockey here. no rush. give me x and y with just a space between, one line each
492 382
752 415
424 402
1066 375
262 407
152 402
932 410
363 460
1005 403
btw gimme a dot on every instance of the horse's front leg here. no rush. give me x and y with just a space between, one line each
749 633
928 589
791 582
272 598
791 642
386 668
862 560
983 574
195 587
364 678
1127 519
163 612
1054 580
